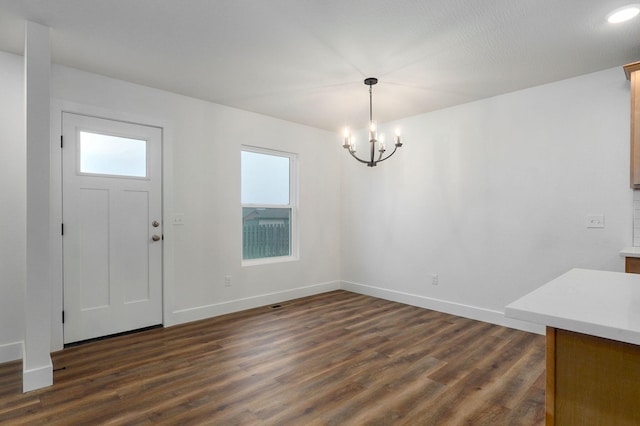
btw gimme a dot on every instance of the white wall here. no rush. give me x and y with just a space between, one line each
12 207
493 196
202 144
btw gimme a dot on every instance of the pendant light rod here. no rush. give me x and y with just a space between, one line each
370 82
376 144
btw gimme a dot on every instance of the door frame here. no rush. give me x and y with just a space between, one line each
58 107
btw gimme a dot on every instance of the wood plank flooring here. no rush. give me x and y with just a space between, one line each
337 358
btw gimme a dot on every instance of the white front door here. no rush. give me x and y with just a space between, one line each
112 226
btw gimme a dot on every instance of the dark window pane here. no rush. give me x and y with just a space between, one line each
265 232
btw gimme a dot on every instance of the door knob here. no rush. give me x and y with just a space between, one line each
156 238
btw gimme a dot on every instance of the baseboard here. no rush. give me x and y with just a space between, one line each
202 312
11 352
458 309
37 378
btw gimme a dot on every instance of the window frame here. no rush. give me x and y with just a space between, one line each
293 206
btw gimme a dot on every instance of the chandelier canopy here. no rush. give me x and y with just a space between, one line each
376 141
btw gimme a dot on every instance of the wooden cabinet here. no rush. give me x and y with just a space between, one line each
591 380
633 75
632 265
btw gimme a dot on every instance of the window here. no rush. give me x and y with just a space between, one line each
268 204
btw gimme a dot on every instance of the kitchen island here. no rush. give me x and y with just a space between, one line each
593 346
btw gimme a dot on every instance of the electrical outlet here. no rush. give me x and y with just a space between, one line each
434 279
227 280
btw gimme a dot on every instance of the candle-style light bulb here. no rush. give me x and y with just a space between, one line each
373 131
397 139
381 146
347 138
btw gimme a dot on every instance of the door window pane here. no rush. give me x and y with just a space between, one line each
112 155
265 179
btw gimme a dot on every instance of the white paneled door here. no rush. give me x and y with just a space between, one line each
112 226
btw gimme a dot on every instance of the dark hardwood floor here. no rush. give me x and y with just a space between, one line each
337 358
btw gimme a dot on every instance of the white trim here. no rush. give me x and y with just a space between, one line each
208 311
37 378
458 309
269 260
11 352
55 219
182 316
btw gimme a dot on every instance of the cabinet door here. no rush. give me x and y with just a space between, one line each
633 74
594 382
632 265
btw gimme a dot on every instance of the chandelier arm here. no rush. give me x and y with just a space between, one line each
395 147
358 158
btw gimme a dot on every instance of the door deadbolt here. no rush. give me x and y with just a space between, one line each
155 223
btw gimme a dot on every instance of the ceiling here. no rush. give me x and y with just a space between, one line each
305 60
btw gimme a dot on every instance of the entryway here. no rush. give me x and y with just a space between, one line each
112 226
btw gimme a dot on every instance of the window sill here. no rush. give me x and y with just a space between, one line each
269 260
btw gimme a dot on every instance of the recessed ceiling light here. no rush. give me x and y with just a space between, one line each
623 14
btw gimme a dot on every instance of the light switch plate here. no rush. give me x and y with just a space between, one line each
595 221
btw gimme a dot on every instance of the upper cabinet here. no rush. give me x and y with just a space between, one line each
633 74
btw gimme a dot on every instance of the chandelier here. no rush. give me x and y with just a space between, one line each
376 141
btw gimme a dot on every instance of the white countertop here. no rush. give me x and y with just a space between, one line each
630 252
600 303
